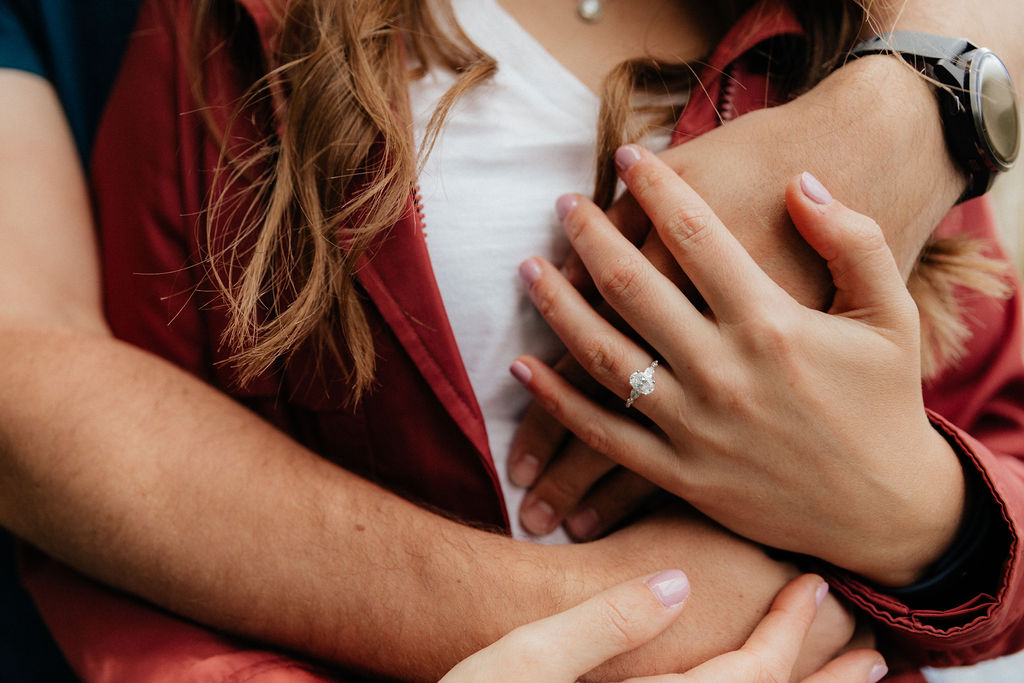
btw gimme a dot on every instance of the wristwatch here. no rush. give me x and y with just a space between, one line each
976 98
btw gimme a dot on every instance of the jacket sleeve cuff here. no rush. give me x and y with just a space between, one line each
961 610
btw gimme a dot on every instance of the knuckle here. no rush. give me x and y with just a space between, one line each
544 299
772 674
624 282
868 237
688 226
597 354
773 336
563 489
575 223
596 436
624 628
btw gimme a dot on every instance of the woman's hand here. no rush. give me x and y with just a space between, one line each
564 647
796 428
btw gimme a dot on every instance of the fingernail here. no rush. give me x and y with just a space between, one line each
538 517
670 587
520 371
583 523
878 672
529 271
626 156
565 204
523 471
819 596
814 190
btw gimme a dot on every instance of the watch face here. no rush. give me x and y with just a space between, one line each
995 107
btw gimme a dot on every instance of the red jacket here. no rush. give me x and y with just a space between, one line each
420 431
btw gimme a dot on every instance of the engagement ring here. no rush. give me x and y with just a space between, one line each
642 382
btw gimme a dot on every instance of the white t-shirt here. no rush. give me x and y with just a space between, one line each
510 148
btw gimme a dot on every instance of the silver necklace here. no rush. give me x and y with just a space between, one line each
590 11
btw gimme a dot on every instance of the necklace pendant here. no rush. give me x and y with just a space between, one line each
590 11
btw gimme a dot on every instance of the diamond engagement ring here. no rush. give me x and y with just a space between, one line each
642 382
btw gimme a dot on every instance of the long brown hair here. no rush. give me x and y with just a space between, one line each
335 170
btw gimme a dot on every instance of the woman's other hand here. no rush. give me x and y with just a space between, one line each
564 647
796 428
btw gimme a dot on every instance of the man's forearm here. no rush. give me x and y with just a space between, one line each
135 473
138 475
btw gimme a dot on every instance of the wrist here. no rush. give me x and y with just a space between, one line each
878 125
925 519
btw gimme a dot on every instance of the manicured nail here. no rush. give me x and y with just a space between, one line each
583 524
670 587
878 672
520 371
538 517
814 190
565 204
530 271
819 596
626 156
524 470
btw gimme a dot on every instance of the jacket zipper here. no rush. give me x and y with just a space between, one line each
417 202
727 98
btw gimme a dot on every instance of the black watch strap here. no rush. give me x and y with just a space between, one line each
920 49
973 110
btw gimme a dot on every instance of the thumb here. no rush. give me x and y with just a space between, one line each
858 665
565 646
862 266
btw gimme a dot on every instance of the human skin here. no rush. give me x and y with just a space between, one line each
756 434
565 646
137 474
132 427
901 175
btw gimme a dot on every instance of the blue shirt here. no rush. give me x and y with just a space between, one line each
76 44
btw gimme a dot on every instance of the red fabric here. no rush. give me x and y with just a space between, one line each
420 431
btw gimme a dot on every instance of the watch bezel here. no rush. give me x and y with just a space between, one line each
990 152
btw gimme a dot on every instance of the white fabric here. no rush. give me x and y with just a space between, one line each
509 149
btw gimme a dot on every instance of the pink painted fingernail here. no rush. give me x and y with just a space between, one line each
538 517
814 190
520 371
878 672
819 596
530 271
626 157
583 524
670 587
565 204
524 470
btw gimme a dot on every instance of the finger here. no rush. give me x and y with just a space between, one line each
859 665
780 635
733 285
561 486
647 300
862 266
612 434
616 497
771 650
605 353
539 436
620 619
537 439
626 215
